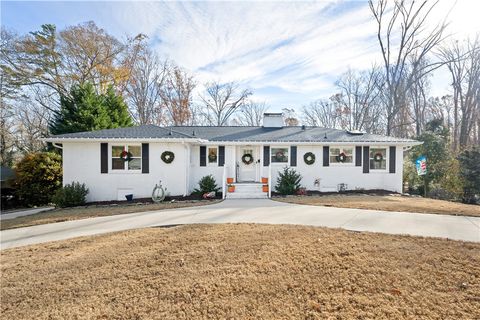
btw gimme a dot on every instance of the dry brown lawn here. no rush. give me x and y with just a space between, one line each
387 203
242 271
60 215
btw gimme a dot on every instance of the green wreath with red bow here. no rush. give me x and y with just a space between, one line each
378 157
342 157
125 155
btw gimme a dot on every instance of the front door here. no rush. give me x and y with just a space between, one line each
247 160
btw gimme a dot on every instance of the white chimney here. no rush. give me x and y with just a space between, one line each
272 120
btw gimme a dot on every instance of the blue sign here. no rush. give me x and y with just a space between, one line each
421 164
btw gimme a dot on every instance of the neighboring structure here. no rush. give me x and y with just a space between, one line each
116 162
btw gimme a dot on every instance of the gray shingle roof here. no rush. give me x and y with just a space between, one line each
252 134
285 134
139 132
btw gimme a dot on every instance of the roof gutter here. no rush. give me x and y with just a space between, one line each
113 140
316 143
218 142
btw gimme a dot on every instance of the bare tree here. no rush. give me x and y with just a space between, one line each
144 86
290 117
53 61
222 101
358 99
32 125
404 41
176 94
251 114
418 100
7 138
441 108
321 112
463 62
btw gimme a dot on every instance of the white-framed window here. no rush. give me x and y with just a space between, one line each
134 154
279 154
212 155
378 158
341 155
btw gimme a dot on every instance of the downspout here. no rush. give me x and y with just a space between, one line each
187 168
57 145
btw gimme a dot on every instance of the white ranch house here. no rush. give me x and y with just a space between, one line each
356 160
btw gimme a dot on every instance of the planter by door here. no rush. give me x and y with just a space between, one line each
229 180
231 188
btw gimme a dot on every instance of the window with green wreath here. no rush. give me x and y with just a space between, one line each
279 155
212 155
341 154
127 157
378 158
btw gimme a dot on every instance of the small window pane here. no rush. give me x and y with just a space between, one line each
335 152
212 155
279 155
378 158
136 151
135 164
247 151
118 164
117 151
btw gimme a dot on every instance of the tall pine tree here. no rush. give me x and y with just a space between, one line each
86 110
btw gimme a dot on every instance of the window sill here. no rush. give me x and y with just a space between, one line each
348 164
125 171
378 171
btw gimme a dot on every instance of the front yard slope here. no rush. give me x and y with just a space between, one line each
386 203
242 271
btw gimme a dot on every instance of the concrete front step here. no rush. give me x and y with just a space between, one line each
235 195
247 191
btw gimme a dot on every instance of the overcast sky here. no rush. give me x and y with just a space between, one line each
288 53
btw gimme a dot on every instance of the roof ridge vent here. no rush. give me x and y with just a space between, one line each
355 132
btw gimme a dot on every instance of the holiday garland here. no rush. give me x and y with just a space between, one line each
247 158
167 156
309 158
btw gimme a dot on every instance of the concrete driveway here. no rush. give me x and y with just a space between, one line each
256 211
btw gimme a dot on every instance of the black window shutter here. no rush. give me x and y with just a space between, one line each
293 156
366 159
266 156
203 156
221 156
103 157
145 158
358 156
326 154
393 152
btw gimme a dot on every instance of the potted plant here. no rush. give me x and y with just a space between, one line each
229 180
264 180
265 188
231 188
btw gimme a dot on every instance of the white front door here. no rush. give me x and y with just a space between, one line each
247 160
